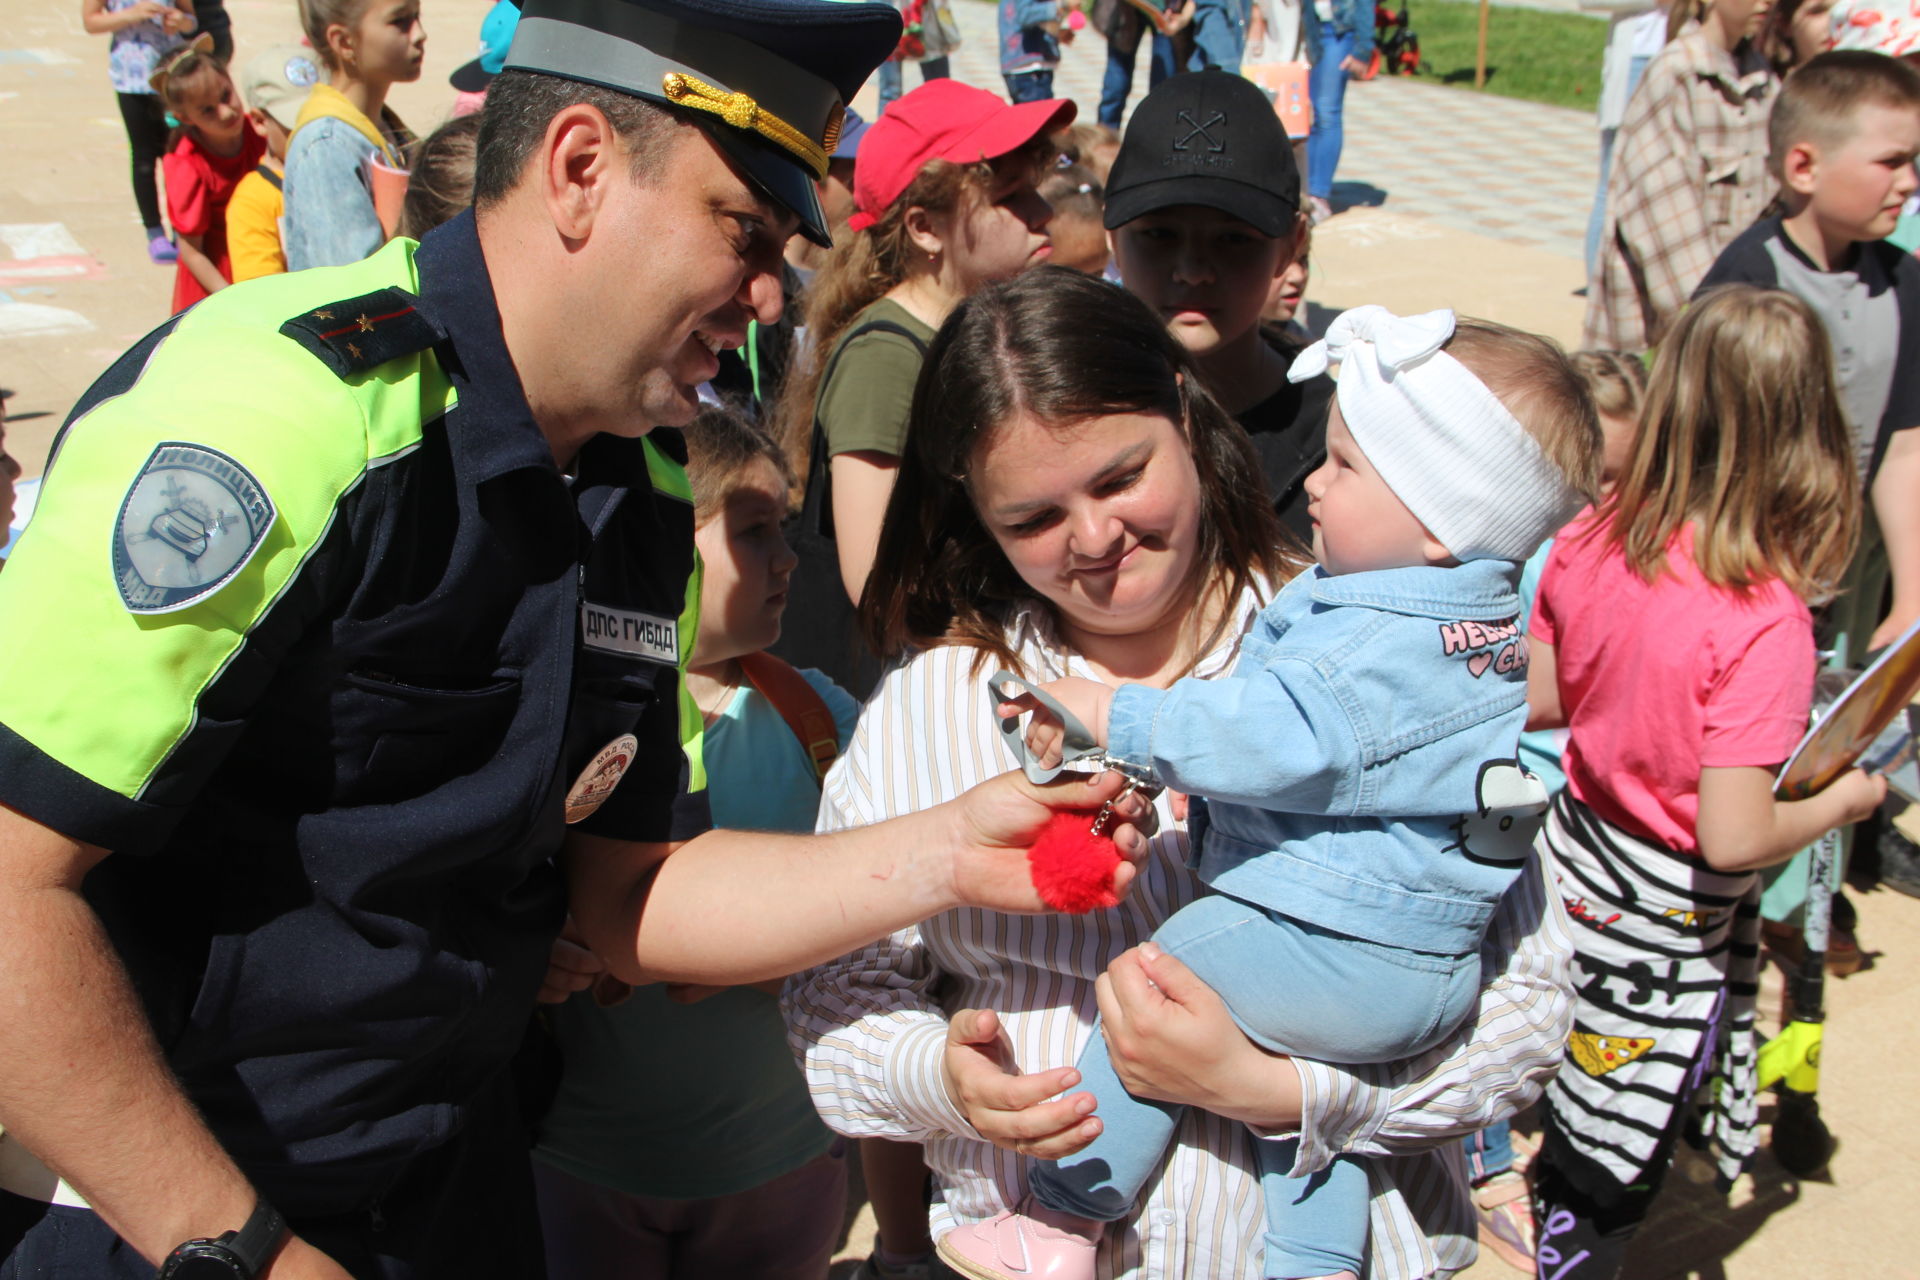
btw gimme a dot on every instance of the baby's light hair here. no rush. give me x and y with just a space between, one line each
1744 439
1540 386
721 445
1818 103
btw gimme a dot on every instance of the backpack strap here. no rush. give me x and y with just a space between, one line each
271 175
799 704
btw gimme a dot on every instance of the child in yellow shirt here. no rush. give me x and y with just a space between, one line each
275 83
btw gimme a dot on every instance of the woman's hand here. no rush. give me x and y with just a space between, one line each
1175 18
1006 1108
998 821
1353 66
1171 1039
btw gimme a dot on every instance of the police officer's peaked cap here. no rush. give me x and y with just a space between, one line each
770 78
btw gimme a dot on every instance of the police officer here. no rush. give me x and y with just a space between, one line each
343 657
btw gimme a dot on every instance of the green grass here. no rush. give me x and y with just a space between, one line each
1541 57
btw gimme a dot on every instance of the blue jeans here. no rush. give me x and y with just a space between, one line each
892 79
1327 87
1029 86
1489 1152
1118 82
1596 221
1219 35
1293 988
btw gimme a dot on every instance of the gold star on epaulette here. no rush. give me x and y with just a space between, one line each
366 325
323 315
355 350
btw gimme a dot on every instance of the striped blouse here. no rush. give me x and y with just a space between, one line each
869 1028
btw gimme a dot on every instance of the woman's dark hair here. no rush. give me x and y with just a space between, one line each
1065 348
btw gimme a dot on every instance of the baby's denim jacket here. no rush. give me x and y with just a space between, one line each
1359 764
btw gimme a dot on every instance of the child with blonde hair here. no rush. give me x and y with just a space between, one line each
709 1161
367 47
1673 639
217 146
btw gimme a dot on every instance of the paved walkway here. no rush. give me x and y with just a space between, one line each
1508 170
1455 200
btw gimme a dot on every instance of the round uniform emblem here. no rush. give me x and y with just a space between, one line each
602 774
191 521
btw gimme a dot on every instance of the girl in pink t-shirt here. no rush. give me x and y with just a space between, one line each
1671 636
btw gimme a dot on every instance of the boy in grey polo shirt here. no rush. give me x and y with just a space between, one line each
1842 140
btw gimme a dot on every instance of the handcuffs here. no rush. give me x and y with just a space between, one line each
1077 746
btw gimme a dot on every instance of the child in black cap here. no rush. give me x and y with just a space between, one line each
1203 208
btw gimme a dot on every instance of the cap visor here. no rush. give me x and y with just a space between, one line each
778 175
1008 131
1264 212
470 77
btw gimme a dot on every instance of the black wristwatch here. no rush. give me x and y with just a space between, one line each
232 1255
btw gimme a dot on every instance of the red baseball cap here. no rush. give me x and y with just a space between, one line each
942 120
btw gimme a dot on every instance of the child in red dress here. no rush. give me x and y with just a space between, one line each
216 146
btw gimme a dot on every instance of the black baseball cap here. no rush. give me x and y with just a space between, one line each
767 80
1208 138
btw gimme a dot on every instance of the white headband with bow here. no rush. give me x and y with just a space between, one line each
1445 445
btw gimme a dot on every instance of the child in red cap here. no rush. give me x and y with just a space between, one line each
946 202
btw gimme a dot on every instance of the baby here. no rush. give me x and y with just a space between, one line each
1364 809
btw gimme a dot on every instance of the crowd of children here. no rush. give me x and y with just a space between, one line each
1631 551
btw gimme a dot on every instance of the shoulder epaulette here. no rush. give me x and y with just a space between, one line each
355 335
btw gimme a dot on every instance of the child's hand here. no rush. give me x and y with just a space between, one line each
178 23
1087 700
1859 794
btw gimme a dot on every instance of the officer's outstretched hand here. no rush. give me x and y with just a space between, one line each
999 820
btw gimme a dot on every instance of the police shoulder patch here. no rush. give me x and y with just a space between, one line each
190 522
354 335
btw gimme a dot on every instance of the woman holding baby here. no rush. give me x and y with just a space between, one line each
1074 503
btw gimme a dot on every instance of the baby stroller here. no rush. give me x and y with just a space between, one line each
1396 47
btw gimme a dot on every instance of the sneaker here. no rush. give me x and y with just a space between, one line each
1013 1246
160 250
1319 209
874 1269
1501 1205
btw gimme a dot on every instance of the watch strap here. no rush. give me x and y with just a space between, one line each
259 1239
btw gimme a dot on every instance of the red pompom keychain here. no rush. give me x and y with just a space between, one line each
1073 862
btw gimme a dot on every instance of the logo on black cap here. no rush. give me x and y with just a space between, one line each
1197 129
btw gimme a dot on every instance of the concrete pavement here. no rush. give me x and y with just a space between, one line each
1454 199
